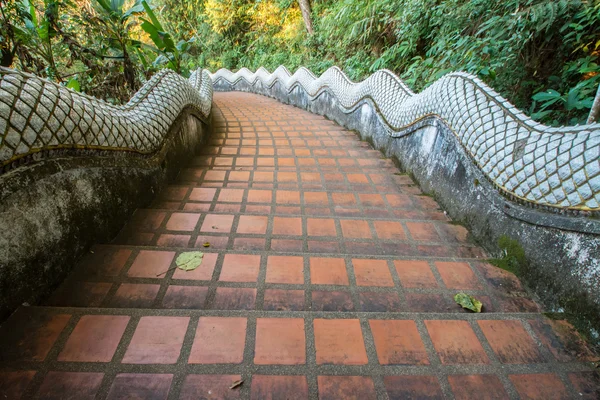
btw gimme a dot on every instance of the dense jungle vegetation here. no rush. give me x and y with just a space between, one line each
542 55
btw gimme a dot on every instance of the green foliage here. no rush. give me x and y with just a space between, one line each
513 257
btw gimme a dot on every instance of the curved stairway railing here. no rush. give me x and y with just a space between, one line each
557 168
37 115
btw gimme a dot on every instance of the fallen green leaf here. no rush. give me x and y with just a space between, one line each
190 260
468 302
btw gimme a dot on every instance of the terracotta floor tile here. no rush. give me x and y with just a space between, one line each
539 386
265 387
285 269
185 297
511 342
13 384
484 387
415 274
106 261
260 196
182 222
380 302
231 195
252 224
316 198
328 271
356 229
422 231
587 384
563 341
169 240
283 300
29 334
412 387
287 226
456 343
94 339
80 294
343 199
140 386
219 341
331 301
398 343
134 295
389 230
240 268
203 194
285 245
157 340
204 272
234 299
70 385
280 341
372 273
209 387
339 342
457 275
217 223
287 197
149 264
146 220
428 302
249 244
321 227
346 387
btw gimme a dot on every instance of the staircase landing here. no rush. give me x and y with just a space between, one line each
328 274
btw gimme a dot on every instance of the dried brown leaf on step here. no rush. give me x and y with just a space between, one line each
236 384
468 302
190 260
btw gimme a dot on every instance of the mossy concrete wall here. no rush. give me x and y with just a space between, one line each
563 251
53 210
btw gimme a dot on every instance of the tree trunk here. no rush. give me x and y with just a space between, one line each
305 8
595 111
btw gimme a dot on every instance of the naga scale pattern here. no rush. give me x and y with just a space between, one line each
538 164
38 115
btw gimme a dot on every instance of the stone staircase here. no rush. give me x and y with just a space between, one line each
327 274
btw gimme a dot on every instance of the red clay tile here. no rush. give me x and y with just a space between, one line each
343 199
13 384
457 275
240 268
456 343
287 226
415 274
283 300
372 273
70 385
209 387
280 341
371 200
234 299
285 269
239 176
259 196
185 297
106 261
249 244
252 224
539 386
265 387
379 302
174 193
346 387
214 176
219 340
30 333
321 227
511 342
168 240
389 230
357 178
80 294
328 271
331 301
204 272
182 221
149 264
94 339
586 384
427 302
356 229
412 387
215 242
339 341
422 231
285 245
287 197
316 198
216 223
561 338
134 295
203 194
231 195
398 343
399 200
157 340
146 220
140 386
484 387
